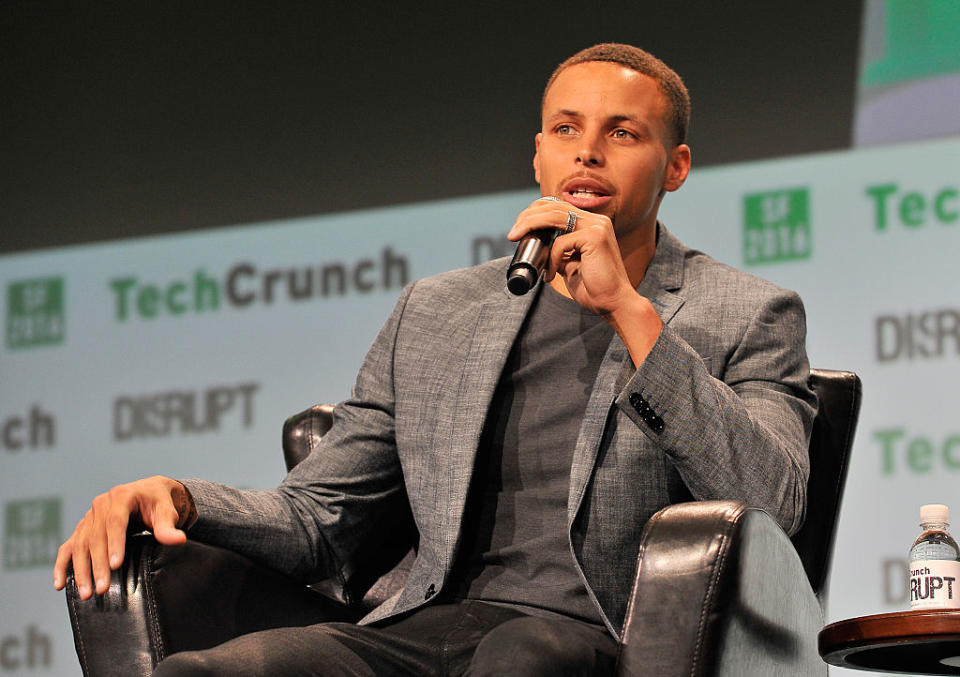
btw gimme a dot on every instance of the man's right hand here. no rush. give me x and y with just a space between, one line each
97 545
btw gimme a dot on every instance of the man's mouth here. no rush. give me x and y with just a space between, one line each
589 195
584 193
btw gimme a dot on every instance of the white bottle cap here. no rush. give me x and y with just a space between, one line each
934 513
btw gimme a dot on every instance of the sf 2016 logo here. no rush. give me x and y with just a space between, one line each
776 226
35 312
31 533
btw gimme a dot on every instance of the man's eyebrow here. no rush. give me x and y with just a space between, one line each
642 125
565 113
569 113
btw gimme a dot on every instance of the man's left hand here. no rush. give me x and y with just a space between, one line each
592 271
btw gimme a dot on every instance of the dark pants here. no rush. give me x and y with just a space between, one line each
462 638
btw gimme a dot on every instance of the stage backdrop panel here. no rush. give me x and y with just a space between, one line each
182 355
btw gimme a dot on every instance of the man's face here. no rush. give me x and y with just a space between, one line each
604 146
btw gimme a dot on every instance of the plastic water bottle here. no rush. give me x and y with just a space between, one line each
934 563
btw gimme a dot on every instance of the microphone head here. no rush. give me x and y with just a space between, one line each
521 280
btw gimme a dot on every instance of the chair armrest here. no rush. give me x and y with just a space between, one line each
167 599
719 590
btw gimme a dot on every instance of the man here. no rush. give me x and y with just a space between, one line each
526 439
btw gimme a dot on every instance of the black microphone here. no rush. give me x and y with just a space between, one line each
533 252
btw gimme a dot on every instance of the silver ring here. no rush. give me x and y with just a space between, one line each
547 198
571 222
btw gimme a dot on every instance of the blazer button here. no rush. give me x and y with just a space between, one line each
431 591
646 412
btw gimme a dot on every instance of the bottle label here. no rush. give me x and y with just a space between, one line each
934 584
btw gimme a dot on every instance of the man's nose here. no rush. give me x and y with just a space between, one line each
590 152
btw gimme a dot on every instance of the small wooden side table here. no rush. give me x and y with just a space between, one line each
921 642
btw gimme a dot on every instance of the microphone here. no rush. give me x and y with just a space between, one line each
528 263
531 257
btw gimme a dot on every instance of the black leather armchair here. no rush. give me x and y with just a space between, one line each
719 588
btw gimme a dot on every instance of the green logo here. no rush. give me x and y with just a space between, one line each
776 226
35 312
31 533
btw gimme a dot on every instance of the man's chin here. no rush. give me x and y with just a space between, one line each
623 229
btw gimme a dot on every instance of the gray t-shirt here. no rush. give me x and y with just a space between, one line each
515 548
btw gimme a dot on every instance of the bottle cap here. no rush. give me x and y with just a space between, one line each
934 513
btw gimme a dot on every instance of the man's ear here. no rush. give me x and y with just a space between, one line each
536 157
678 167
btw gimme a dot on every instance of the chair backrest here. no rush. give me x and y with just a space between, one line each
833 429
302 432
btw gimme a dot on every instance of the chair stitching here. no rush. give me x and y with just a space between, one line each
847 433
849 391
850 411
631 603
640 552
153 615
81 645
711 588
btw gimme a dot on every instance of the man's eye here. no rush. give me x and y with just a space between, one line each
622 134
564 129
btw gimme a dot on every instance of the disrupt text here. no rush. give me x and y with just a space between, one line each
181 411
918 335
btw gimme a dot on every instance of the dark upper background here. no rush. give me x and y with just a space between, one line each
152 117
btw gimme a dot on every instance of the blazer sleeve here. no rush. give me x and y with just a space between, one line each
345 493
744 437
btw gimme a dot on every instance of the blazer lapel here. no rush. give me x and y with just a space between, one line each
499 320
594 421
663 277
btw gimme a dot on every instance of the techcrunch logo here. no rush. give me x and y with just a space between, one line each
32 649
244 285
913 209
776 226
901 450
35 312
36 430
31 533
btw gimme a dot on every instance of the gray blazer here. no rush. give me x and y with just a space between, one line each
719 409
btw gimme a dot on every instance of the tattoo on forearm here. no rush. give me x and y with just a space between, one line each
185 508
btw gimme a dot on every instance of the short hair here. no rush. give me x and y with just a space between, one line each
636 59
